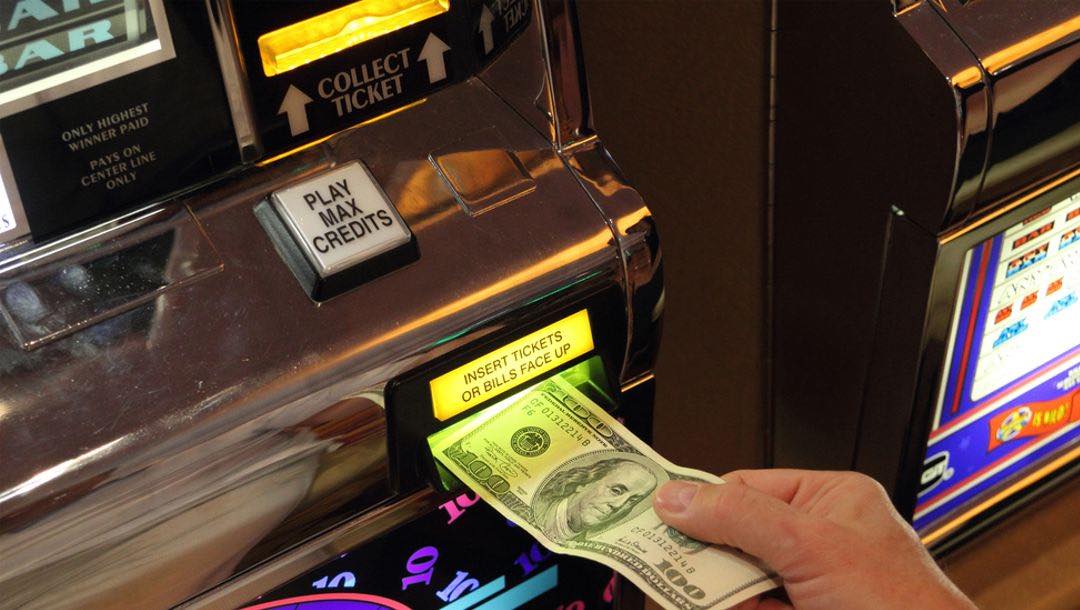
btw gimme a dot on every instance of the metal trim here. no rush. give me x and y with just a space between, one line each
565 75
234 77
315 552
1012 205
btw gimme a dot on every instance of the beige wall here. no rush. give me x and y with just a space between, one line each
679 96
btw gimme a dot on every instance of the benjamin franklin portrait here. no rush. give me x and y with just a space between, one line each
584 500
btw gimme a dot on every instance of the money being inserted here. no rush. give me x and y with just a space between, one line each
560 467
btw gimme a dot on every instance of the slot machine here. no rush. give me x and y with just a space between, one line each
254 255
926 256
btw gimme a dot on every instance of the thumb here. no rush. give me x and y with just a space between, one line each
732 514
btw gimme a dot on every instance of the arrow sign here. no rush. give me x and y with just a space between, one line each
295 105
432 55
485 29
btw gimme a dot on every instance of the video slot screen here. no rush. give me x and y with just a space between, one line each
1008 406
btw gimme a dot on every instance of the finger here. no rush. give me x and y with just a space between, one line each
750 604
773 604
781 483
733 514
757 603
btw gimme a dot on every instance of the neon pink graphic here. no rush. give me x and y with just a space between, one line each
332 601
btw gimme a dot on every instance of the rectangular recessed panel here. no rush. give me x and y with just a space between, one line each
483 171
341 218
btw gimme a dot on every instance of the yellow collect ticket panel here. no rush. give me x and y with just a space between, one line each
511 365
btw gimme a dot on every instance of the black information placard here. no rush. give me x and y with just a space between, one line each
494 23
331 93
342 89
126 141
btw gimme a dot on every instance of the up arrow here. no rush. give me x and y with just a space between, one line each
485 29
432 55
295 105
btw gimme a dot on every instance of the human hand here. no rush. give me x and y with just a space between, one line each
833 537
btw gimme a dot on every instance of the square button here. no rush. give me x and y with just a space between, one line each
340 218
482 171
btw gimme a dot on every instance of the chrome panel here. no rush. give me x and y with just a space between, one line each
971 93
234 77
565 78
315 552
1032 56
238 418
51 291
639 248
519 78
1036 119
482 171
1027 58
542 77
1004 34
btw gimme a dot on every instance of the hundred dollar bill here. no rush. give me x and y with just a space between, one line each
559 466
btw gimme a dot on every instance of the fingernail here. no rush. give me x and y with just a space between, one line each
675 496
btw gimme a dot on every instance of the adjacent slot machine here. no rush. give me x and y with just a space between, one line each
255 255
926 255
1008 393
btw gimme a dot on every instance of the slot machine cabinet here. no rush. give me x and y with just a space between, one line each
925 271
219 374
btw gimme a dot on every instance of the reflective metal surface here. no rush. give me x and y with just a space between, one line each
1031 54
565 86
234 77
970 90
1014 71
519 77
202 430
315 552
52 291
639 245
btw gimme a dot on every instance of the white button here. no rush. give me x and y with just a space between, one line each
341 218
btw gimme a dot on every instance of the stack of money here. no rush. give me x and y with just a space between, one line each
566 471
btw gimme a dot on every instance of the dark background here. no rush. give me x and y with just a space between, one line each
679 92
679 95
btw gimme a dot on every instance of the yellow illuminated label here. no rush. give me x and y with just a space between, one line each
322 35
511 365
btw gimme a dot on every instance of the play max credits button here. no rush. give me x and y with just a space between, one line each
341 218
